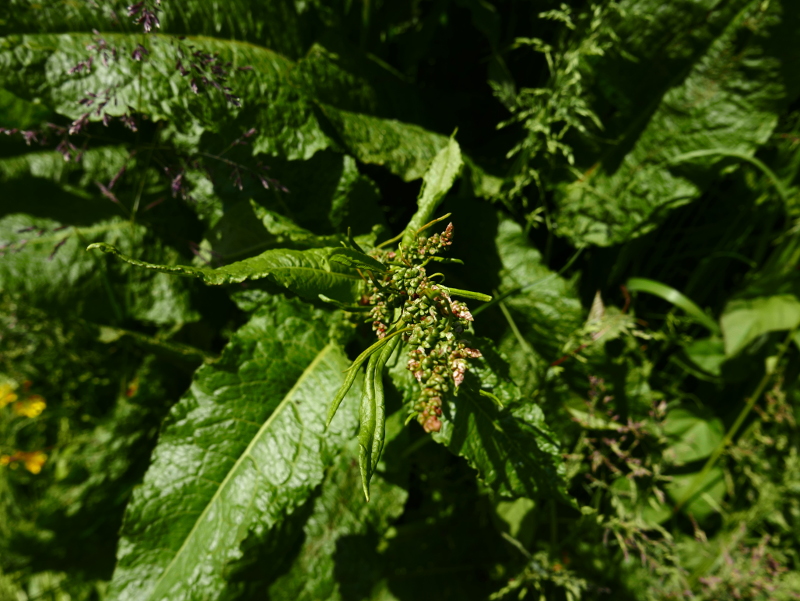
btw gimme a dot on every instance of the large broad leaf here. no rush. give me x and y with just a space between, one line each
726 105
405 149
708 495
243 448
326 194
347 78
307 272
511 447
36 67
273 24
513 452
323 194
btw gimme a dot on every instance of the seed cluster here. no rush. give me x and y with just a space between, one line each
434 322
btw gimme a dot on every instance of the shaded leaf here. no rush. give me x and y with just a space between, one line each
675 297
514 453
512 448
340 515
43 184
543 306
708 497
18 113
692 436
707 353
728 102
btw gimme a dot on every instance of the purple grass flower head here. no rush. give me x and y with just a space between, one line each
139 52
145 15
79 124
66 148
129 122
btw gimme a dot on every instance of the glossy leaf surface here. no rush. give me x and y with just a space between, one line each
243 448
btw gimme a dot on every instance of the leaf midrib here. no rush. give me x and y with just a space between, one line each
245 454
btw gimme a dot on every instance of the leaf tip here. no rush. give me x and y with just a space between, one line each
106 248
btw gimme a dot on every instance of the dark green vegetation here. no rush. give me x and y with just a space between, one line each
623 181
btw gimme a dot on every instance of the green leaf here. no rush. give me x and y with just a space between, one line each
707 353
706 501
544 307
517 518
306 272
468 294
341 515
692 436
745 319
273 24
724 99
36 66
287 232
587 418
355 260
436 182
404 149
18 113
45 263
42 183
243 448
26 267
512 449
514 453
675 297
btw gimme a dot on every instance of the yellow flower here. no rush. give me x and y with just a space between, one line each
30 407
33 461
7 395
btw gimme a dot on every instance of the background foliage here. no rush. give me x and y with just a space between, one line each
629 196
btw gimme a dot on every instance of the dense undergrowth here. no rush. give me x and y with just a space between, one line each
583 388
